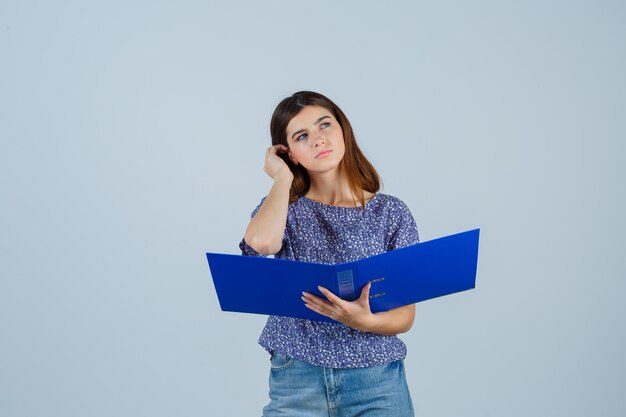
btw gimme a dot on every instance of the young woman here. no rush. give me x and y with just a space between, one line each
324 206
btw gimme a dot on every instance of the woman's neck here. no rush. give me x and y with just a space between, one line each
333 189
329 187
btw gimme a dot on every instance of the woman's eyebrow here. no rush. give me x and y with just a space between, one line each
314 123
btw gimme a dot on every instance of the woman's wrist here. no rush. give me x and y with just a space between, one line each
368 324
385 324
285 177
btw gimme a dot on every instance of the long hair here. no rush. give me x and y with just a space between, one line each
359 172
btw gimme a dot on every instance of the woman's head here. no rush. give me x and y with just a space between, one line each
309 123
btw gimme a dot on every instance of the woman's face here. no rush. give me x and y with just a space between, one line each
315 140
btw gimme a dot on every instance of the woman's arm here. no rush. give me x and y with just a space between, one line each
265 231
357 313
392 322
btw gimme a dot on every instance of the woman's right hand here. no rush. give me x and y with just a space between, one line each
274 166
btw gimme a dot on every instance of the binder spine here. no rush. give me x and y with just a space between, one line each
346 281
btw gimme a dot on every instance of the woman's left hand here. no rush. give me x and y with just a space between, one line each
356 314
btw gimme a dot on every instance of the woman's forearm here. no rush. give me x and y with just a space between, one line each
265 231
393 322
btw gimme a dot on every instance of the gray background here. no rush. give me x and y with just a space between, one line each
133 137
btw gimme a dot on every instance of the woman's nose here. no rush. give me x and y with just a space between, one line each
319 140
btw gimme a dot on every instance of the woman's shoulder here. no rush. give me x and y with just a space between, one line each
390 200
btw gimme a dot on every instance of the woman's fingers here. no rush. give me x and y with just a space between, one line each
274 149
331 297
317 304
313 299
365 293
274 164
334 308
355 314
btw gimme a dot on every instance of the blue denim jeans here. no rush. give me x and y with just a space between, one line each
300 389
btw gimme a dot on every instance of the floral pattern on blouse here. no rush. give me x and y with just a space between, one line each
317 232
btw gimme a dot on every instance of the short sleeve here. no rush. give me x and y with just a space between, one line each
246 249
404 229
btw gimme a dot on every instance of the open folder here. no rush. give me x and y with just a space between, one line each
256 284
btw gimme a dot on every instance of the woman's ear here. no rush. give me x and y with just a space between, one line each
292 158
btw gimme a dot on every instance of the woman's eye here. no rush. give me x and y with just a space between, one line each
303 136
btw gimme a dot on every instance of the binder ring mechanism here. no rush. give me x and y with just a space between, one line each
380 294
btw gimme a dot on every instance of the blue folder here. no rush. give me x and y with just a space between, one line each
256 284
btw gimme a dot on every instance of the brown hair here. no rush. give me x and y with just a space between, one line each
359 171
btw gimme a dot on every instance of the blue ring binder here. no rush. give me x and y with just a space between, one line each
408 275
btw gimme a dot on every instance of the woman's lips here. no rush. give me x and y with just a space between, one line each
323 154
